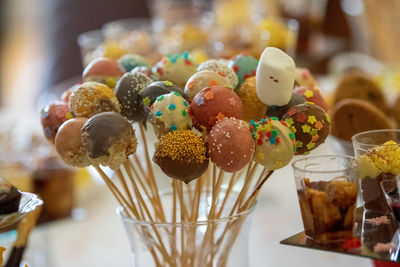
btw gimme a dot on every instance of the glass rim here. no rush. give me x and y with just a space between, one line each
125 218
354 159
355 141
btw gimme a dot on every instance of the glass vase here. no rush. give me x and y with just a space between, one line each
176 243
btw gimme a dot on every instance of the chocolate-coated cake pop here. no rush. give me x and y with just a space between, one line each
52 116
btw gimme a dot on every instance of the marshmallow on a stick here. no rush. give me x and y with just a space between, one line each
275 77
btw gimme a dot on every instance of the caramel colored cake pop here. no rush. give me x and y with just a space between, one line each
52 116
231 144
312 94
108 139
103 70
158 88
181 155
214 103
253 108
279 111
129 93
91 98
170 112
310 124
176 68
275 143
68 143
203 79
220 68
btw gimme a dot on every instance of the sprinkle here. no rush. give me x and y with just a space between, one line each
289 121
299 144
200 101
172 128
146 101
209 95
310 145
292 111
184 113
213 83
294 130
191 84
185 103
301 117
274 118
186 55
315 138
328 118
168 83
318 125
160 98
274 132
220 116
160 71
306 128
291 135
272 140
172 106
259 156
311 119
308 93
235 68
177 94
232 101
314 132
158 114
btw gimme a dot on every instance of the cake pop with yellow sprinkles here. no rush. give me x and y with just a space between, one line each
91 98
170 112
181 155
275 144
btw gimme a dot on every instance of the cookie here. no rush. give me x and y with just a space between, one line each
357 85
351 116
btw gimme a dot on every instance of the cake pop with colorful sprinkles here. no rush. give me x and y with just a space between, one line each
158 88
129 93
170 112
69 145
279 111
244 66
212 104
253 108
130 61
91 98
181 155
52 116
108 139
103 70
177 68
231 144
275 144
223 69
203 79
310 124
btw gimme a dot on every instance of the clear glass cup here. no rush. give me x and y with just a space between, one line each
391 190
375 169
327 189
220 242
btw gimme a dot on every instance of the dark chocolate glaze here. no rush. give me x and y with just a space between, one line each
279 111
155 89
180 170
129 94
101 131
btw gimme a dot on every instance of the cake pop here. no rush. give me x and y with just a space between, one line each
244 66
311 94
220 68
52 116
68 143
275 143
108 139
91 98
181 155
231 144
129 93
253 108
130 61
212 104
203 79
103 70
310 124
170 112
158 88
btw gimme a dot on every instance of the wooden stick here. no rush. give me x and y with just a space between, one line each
228 191
253 196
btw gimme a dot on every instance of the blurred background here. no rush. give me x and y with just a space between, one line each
45 45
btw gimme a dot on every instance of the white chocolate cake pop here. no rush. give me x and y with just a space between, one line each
275 77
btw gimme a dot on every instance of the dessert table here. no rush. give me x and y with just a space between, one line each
96 237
